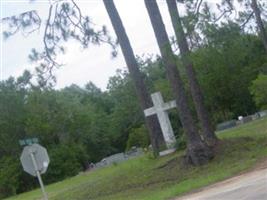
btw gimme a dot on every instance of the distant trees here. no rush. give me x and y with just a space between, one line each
259 92
70 123
239 57
251 16
12 118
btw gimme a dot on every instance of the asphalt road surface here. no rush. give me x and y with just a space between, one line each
250 186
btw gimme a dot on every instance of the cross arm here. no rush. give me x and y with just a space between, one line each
149 111
169 105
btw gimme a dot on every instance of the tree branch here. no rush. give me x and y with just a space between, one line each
247 20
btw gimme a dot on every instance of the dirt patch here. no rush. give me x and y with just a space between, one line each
262 164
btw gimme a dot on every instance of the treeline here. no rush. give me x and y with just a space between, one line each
80 125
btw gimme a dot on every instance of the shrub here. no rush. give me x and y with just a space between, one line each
64 162
9 172
138 137
259 91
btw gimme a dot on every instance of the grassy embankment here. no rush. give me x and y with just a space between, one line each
145 178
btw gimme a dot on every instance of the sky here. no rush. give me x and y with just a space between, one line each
81 65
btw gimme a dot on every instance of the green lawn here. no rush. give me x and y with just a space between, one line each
146 178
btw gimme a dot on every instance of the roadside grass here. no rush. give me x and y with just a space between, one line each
145 178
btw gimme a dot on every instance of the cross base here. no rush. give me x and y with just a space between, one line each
166 152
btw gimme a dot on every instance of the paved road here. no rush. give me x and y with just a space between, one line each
250 186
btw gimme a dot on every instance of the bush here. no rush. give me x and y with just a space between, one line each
180 142
138 137
259 91
64 162
9 172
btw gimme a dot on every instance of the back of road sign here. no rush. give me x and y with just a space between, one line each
41 157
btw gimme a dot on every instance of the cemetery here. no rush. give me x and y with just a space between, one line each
133 100
118 158
141 177
241 120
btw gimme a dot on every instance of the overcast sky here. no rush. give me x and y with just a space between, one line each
93 64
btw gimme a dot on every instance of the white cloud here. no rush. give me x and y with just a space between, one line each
93 64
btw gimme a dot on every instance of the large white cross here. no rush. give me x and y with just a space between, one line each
160 109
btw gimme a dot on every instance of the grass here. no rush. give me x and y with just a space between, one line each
145 178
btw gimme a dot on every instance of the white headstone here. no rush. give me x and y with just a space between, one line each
240 118
263 113
161 110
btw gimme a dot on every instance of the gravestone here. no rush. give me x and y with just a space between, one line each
161 110
119 157
100 164
226 125
255 116
116 158
247 119
134 152
263 113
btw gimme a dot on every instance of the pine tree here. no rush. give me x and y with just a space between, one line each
141 90
207 131
197 151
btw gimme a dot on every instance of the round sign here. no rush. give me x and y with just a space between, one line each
39 154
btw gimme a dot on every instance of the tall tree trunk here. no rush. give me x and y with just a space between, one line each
197 151
152 123
202 113
259 22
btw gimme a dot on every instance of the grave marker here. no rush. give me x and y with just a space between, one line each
161 110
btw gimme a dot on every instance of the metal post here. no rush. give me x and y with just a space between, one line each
38 175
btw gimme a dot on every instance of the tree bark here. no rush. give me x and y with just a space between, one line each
202 113
152 123
197 151
259 22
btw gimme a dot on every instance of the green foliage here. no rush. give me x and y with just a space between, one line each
9 179
259 91
226 67
166 177
126 113
180 142
71 123
138 137
65 162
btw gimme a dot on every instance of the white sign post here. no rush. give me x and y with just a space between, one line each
35 161
160 109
